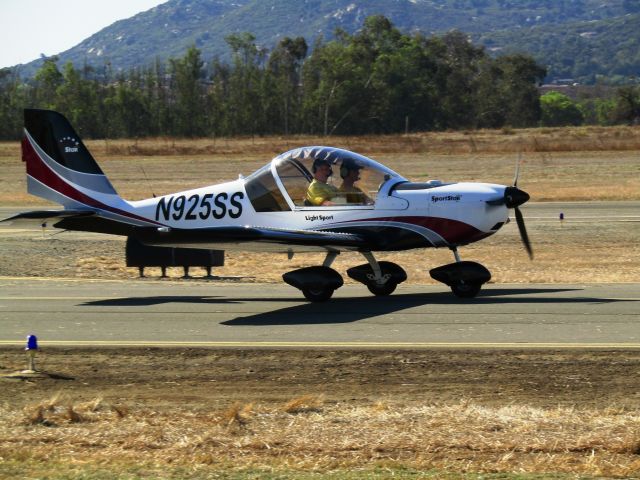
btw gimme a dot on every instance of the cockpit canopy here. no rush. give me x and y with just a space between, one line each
283 184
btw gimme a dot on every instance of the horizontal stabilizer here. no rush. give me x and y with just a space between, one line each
37 217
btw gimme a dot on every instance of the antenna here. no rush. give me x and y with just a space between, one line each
147 179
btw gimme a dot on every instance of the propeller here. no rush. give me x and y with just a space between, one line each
513 198
523 232
515 177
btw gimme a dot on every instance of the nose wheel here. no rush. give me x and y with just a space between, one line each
466 290
382 290
465 279
317 294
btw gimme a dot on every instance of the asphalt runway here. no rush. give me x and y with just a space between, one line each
151 312
582 212
218 313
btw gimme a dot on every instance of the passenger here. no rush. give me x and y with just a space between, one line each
350 173
319 191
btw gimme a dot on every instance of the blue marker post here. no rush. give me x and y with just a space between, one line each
561 218
31 349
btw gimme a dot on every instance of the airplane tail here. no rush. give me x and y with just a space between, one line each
59 166
61 169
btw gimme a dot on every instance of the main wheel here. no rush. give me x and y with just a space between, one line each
382 290
466 290
317 294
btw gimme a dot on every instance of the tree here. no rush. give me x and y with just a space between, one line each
405 90
361 83
190 107
285 69
128 112
12 97
246 112
627 109
518 84
490 106
77 97
457 69
47 80
219 98
559 110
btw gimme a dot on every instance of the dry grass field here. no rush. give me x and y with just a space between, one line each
262 414
199 413
586 163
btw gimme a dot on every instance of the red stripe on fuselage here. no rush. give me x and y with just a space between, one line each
40 171
453 231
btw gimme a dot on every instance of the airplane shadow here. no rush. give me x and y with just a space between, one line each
347 310
163 299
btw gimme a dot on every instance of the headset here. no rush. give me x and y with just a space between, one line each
347 166
318 162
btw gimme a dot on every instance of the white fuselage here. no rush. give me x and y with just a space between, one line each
444 215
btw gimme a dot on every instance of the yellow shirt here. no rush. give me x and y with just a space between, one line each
319 192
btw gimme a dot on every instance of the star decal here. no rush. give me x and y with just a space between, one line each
70 139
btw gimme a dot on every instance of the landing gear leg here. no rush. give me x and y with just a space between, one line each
328 260
377 283
381 278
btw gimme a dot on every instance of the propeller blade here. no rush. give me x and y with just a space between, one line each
515 178
523 232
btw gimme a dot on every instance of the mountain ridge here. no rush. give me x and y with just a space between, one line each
540 28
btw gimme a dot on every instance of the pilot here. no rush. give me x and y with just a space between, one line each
319 191
350 173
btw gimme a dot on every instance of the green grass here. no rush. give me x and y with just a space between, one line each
54 470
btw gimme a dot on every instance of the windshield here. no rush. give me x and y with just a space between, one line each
263 192
326 176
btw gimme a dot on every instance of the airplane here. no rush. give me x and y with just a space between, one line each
272 210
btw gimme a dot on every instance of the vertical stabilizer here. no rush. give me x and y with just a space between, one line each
59 166
53 133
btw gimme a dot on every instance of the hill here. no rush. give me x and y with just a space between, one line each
558 33
584 52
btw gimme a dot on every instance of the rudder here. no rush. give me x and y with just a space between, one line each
55 135
59 166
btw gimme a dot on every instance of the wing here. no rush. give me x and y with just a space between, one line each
247 238
250 238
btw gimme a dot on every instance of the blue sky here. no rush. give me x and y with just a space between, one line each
31 27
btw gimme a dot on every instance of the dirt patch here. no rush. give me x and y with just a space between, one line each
287 410
214 378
